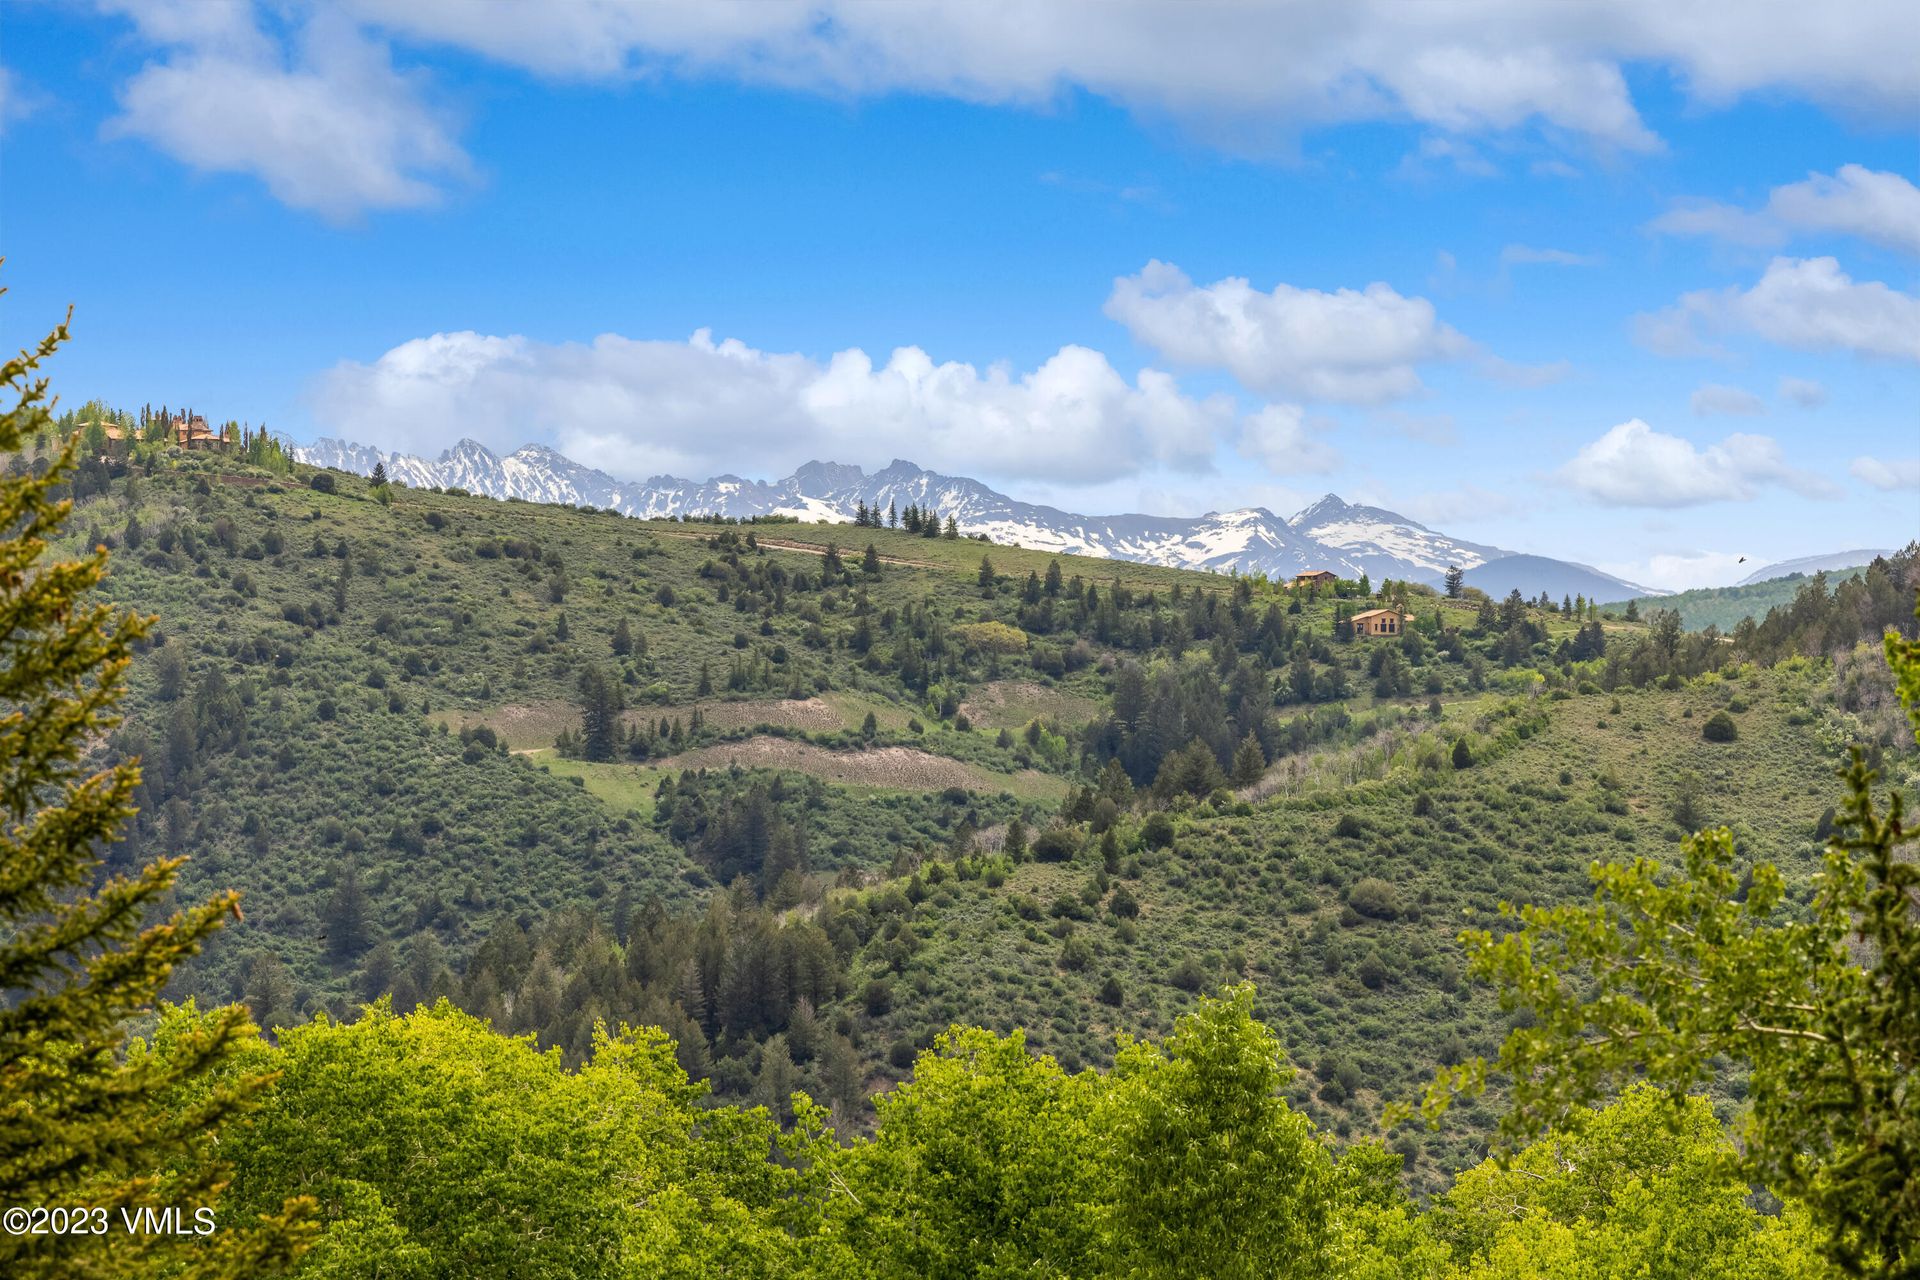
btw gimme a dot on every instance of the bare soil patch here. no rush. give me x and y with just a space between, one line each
1011 703
899 767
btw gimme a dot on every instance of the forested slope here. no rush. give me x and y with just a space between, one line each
441 744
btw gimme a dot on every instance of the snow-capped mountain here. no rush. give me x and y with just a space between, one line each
1373 536
1331 534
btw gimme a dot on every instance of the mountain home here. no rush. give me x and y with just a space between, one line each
1316 578
1379 622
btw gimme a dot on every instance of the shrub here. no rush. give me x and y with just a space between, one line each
1158 831
1372 896
1056 844
1719 728
320 482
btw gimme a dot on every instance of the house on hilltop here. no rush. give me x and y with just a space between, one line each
1379 622
1316 578
190 431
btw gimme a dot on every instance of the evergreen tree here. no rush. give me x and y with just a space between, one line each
1052 584
953 529
870 562
600 707
986 577
622 639
893 516
1249 761
346 916
81 1122
379 476
1456 580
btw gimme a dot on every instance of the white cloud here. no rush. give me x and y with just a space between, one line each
640 407
1527 255
1720 222
1633 465
1455 65
1803 393
1857 201
1880 207
1279 438
1682 570
329 127
1887 473
1355 345
1806 303
343 134
1712 398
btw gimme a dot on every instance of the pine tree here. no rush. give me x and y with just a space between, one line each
600 707
953 529
986 577
622 639
1052 584
870 563
893 517
379 476
1456 581
1249 762
346 916
81 1122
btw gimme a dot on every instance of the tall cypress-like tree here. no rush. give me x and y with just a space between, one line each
600 707
83 1122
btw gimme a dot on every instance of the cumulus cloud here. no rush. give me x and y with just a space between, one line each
1452 64
1802 393
1280 439
643 407
328 125
1633 465
1359 346
1246 76
1887 473
1883 208
1712 398
1806 303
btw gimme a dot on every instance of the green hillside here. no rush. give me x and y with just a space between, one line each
812 800
836 803
1727 607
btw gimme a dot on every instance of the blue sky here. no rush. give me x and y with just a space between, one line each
1629 283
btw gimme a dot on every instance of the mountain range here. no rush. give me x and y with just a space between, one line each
1348 538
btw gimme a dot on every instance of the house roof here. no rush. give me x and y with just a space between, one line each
1377 613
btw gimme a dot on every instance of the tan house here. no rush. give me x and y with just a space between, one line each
194 433
1316 578
1379 622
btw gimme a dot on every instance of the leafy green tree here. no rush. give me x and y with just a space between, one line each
439 1148
81 1123
1214 1174
985 1163
1628 1191
1666 973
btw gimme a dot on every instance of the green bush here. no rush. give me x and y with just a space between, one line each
1719 728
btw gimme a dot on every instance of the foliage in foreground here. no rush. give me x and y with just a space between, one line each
437 1147
83 1126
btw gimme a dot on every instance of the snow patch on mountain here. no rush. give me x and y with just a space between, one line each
1347 538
